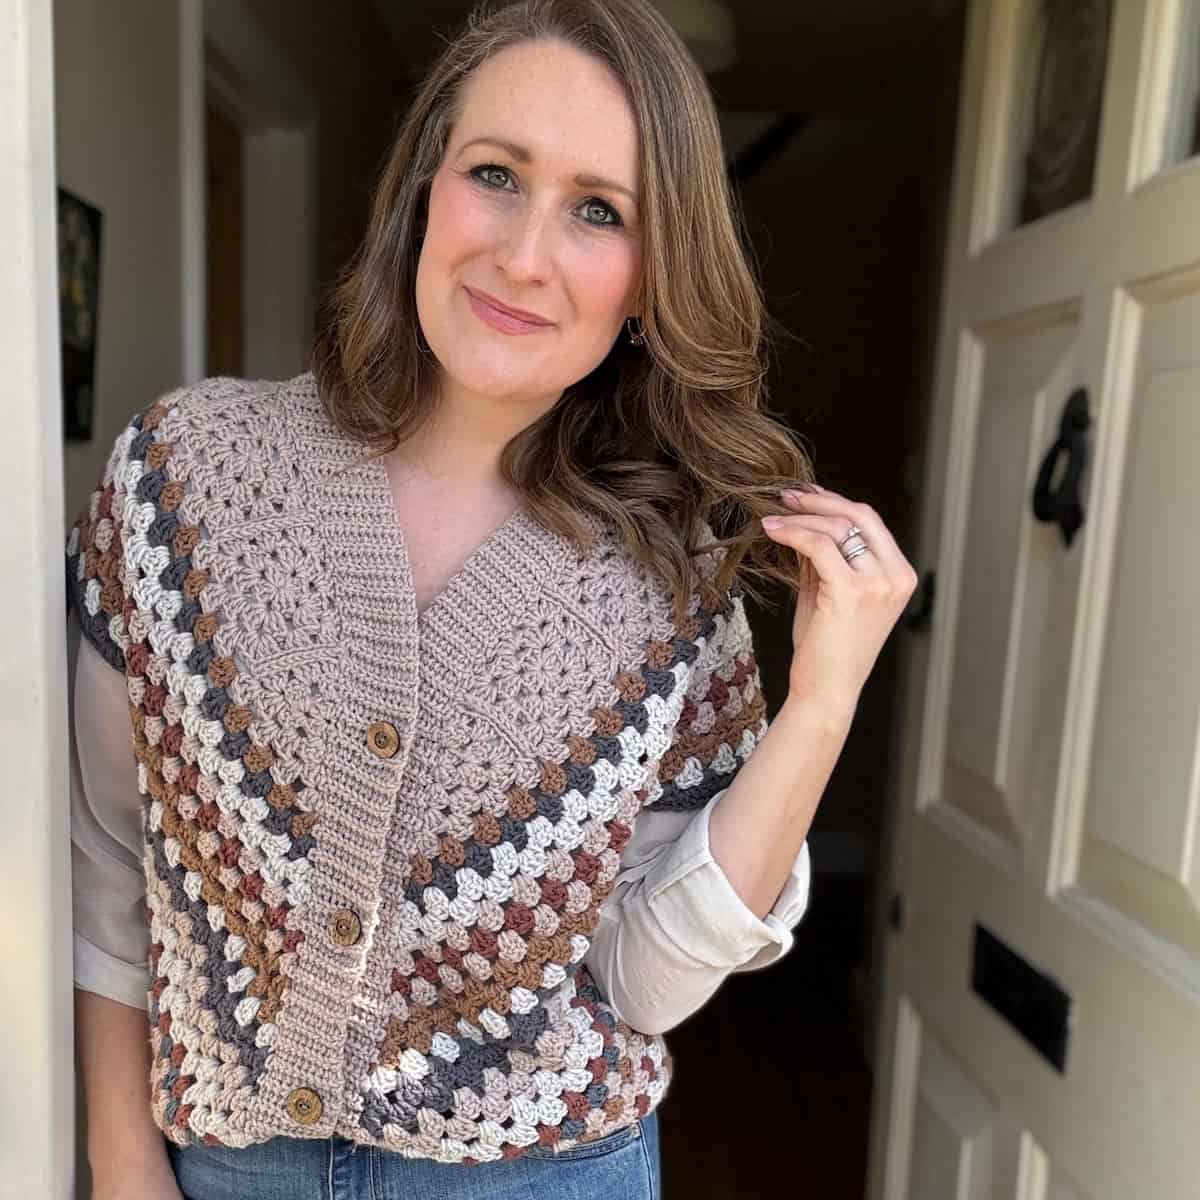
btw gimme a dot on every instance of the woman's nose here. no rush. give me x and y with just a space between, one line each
525 254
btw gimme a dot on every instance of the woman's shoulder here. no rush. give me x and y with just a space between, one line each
626 589
221 406
205 438
220 428
210 456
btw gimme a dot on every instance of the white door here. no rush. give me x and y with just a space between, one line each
1049 770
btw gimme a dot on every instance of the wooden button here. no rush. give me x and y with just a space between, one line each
304 1106
383 739
344 927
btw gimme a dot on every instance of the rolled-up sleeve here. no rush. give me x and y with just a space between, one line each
111 937
674 927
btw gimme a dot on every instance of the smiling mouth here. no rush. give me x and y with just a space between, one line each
503 319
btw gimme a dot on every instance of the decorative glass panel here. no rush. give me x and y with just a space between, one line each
1183 120
1064 90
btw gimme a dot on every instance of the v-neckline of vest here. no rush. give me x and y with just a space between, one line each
466 571
390 651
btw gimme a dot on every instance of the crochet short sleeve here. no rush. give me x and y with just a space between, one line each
95 556
723 716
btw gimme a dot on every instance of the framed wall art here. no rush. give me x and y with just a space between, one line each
78 310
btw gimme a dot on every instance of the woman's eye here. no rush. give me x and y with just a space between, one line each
595 211
607 214
492 175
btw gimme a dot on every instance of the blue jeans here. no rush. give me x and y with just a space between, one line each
624 1164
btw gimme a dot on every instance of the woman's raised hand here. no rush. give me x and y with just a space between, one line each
844 618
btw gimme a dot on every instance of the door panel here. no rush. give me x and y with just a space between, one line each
962 1144
1005 576
1064 1191
1050 755
1139 852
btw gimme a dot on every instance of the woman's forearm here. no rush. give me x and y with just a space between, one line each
113 1050
759 824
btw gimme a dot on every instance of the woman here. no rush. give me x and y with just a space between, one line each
442 806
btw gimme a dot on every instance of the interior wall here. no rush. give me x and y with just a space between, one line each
117 145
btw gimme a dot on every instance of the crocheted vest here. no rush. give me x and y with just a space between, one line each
377 841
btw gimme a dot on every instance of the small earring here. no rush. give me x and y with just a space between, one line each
635 335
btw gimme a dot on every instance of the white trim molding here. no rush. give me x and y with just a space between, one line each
37 1088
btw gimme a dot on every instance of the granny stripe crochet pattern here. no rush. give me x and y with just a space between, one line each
376 841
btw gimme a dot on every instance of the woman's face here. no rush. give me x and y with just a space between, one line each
533 207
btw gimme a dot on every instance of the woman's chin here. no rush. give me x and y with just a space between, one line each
495 378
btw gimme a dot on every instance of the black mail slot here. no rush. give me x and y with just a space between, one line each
1029 1000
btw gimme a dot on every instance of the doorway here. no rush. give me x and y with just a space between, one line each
821 995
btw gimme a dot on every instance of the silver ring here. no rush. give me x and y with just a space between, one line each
854 531
862 548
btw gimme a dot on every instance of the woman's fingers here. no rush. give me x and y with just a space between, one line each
875 533
835 528
847 617
814 544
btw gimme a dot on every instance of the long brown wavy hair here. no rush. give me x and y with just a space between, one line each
669 440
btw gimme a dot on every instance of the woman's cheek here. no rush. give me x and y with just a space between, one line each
457 217
605 281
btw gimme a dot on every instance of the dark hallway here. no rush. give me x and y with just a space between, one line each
781 1039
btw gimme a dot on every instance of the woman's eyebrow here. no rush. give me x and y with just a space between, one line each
522 155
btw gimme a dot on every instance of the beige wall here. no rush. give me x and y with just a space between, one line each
117 145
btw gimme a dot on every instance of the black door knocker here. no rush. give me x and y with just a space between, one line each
1061 504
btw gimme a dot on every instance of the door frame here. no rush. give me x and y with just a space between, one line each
37 1093
897 1044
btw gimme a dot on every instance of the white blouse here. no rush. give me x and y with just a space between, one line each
669 933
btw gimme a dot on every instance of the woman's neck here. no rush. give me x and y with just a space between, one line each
464 437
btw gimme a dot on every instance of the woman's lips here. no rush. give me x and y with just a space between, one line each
499 319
